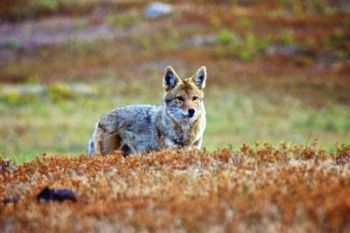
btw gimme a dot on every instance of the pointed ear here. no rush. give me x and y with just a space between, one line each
170 79
200 77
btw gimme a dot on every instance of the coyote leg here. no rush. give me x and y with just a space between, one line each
105 142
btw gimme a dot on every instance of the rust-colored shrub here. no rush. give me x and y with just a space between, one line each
265 189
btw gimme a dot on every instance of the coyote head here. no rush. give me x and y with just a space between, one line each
184 97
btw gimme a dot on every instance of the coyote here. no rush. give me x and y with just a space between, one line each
179 123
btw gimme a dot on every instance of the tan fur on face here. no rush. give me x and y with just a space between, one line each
191 94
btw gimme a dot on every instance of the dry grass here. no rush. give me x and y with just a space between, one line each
261 189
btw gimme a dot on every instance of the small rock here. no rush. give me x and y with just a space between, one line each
200 40
282 50
157 9
56 195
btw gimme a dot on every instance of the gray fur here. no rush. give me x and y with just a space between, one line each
143 128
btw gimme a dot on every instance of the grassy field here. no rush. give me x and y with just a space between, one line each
271 79
62 122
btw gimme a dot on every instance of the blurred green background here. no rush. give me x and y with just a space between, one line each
277 70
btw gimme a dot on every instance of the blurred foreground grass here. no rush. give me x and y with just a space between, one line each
61 121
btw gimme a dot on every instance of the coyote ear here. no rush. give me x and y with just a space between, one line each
200 77
170 79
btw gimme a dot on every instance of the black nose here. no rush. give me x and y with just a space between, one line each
191 112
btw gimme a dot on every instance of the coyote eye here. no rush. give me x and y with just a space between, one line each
195 98
180 98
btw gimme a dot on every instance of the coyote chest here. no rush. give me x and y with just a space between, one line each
179 123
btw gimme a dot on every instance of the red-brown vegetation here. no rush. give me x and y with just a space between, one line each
261 189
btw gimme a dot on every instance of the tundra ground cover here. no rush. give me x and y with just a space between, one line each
261 188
